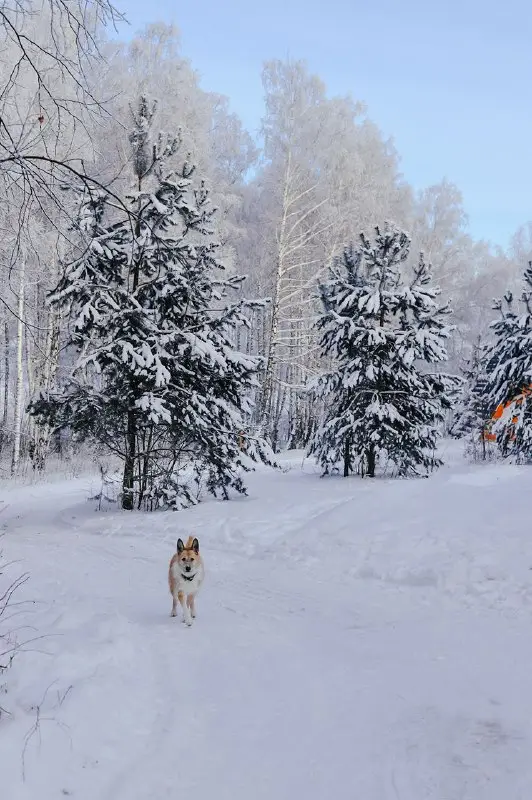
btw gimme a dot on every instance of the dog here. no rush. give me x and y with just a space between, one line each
185 576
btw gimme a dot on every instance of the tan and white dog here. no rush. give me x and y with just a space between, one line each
185 576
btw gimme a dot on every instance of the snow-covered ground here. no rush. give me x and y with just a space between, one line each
357 640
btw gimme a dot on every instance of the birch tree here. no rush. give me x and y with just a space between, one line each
19 385
326 169
47 114
290 186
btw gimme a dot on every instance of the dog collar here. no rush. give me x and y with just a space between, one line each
187 578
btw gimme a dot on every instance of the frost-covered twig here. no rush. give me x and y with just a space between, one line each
35 729
8 643
7 646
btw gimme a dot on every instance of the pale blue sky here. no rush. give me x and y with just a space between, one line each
450 80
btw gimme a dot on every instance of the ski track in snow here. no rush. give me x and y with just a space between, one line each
354 639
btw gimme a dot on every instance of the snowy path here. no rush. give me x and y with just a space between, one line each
354 639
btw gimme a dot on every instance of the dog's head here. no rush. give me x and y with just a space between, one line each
188 555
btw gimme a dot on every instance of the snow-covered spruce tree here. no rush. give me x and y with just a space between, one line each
509 373
473 410
381 331
157 378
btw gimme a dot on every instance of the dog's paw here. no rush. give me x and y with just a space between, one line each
173 613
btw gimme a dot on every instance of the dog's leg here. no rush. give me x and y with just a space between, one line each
190 604
186 614
172 586
173 613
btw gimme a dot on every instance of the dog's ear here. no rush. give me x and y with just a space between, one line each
180 546
195 546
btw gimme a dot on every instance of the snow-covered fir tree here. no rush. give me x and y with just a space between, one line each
157 378
381 331
509 372
473 410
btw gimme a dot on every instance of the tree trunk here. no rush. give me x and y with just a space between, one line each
33 373
275 419
371 457
266 406
347 456
17 425
144 465
128 479
5 409
47 372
